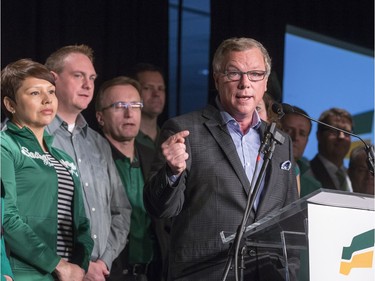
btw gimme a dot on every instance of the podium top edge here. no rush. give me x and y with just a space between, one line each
343 199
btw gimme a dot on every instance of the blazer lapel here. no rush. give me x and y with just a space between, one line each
266 195
269 179
219 131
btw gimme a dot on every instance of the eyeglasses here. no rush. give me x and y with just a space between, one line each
120 105
336 133
253 75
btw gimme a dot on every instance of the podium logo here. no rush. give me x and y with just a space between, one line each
359 254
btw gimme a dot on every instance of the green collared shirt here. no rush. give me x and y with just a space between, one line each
308 182
141 239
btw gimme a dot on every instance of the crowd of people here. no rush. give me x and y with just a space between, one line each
136 201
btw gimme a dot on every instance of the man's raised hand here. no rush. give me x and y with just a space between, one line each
174 151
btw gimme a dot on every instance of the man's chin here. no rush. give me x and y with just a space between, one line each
152 114
82 107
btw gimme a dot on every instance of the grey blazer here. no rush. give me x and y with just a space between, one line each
211 194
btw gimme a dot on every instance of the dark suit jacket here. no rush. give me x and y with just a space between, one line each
321 174
145 155
211 194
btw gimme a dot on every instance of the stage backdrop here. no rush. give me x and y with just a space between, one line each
121 32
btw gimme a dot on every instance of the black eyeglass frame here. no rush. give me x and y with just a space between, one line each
258 74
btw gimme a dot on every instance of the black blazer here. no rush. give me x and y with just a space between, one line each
211 194
321 174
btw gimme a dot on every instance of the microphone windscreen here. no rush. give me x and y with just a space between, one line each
287 108
277 108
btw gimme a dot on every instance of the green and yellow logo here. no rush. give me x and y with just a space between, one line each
359 254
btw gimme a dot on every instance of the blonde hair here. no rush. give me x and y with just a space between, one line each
55 62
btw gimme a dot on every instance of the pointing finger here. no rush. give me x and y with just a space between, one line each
177 138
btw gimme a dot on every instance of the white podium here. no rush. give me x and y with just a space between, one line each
331 232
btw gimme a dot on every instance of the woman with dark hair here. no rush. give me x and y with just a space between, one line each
45 225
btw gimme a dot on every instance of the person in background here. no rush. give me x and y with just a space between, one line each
6 271
45 225
118 111
359 173
153 96
298 128
264 109
328 164
106 204
205 163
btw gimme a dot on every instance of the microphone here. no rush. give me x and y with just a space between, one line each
283 108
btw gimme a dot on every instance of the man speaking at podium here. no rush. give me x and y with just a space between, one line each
206 161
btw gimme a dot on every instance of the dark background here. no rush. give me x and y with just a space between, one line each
121 33
124 32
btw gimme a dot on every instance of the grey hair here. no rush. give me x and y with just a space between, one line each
239 44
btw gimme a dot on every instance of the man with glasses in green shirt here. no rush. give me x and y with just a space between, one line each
118 111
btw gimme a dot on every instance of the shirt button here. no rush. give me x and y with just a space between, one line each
94 236
79 160
86 184
93 209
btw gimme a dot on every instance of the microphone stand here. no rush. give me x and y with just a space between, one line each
271 138
280 108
